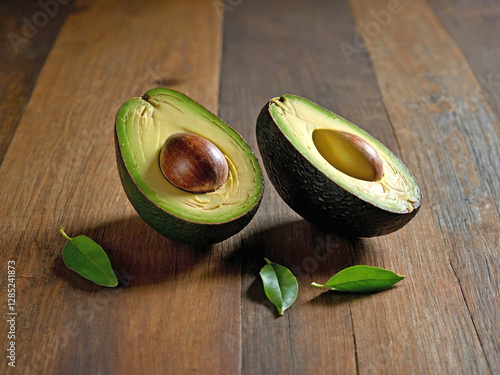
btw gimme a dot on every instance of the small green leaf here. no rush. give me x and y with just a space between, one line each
88 259
361 279
280 285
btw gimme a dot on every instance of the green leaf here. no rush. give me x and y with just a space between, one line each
361 279
280 285
88 259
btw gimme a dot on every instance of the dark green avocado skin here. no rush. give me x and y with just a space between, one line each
313 195
171 226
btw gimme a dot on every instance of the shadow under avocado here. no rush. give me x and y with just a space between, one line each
299 246
139 255
310 253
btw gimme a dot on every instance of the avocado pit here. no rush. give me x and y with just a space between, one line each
349 154
193 163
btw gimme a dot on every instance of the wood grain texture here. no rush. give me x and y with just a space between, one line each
421 77
473 25
451 136
24 49
176 312
422 326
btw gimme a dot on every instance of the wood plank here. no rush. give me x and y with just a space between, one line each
24 52
451 139
178 312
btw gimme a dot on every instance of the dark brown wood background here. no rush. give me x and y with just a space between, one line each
423 77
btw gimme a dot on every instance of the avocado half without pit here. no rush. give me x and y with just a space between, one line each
188 174
332 173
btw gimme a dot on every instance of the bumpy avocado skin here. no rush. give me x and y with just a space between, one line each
171 226
313 195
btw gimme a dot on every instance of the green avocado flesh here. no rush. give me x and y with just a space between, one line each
327 182
142 127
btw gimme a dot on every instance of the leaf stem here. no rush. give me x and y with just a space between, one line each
267 261
61 229
317 285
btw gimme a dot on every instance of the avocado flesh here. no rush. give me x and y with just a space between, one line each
290 129
299 119
142 127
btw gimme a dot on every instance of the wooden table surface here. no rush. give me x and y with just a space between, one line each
423 77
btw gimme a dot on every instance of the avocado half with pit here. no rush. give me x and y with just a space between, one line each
189 213
332 173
